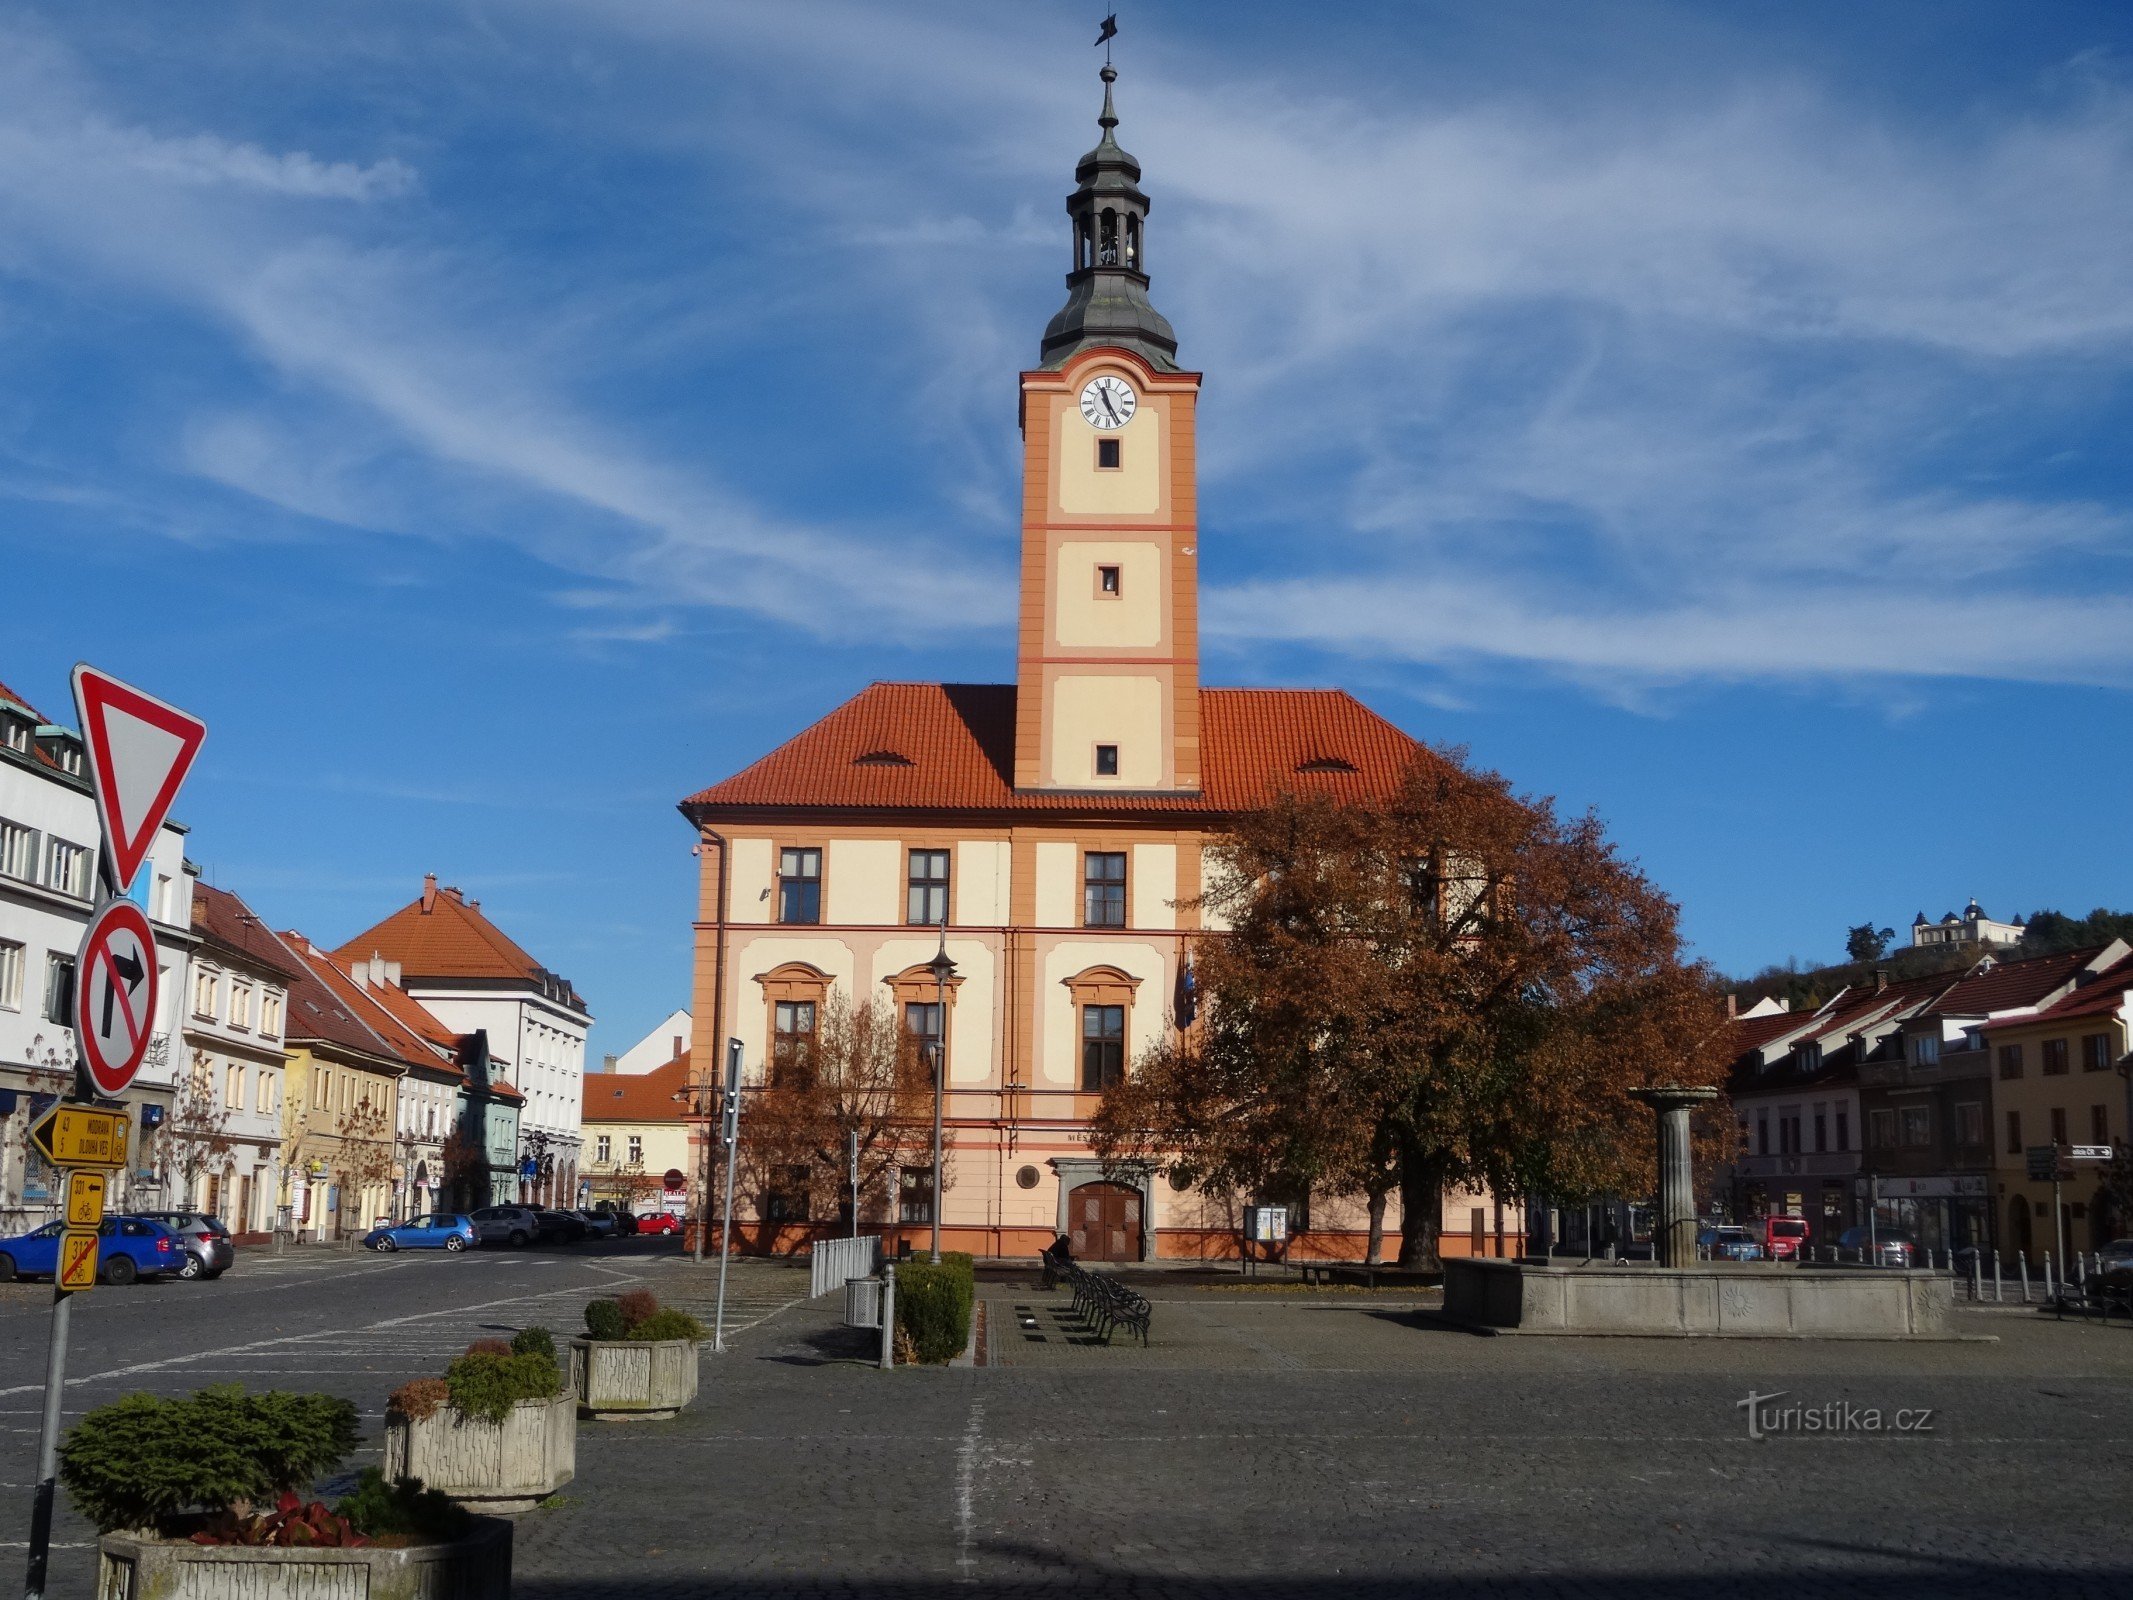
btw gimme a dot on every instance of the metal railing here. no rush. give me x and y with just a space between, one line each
833 1261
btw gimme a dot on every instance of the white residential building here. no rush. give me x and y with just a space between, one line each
469 975
49 840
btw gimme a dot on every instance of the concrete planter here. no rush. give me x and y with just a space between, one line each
477 1567
506 1466
622 1380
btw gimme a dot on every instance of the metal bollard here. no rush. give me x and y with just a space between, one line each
888 1315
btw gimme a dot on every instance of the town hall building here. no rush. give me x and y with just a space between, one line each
1053 833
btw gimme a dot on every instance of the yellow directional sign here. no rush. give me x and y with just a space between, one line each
81 1136
85 1198
77 1259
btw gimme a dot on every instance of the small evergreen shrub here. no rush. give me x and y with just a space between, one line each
419 1398
533 1342
486 1386
669 1322
933 1306
603 1320
402 1512
636 1304
147 1460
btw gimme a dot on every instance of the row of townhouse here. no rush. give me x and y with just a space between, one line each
1920 1099
429 1061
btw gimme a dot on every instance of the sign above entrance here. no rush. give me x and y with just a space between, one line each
140 749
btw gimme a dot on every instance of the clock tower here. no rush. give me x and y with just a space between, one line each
1108 663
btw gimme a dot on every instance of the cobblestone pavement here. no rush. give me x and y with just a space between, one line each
1274 1446
1264 1445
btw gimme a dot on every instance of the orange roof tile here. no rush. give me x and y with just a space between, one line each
636 1096
441 934
950 746
226 924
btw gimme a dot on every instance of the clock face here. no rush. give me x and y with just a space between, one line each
1107 402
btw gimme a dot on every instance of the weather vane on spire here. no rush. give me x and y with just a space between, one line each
1110 32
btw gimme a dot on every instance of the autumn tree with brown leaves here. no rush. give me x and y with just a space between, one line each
862 1073
1448 985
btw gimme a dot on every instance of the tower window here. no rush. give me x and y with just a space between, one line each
1107 761
1109 581
1107 454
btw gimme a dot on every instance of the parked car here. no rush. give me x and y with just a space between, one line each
1728 1243
1782 1238
559 1227
208 1247
438 1230
658 1222
597 1223
127 1248
516 1226
1888 1247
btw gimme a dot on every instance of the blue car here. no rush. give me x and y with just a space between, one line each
127 1248
440 1230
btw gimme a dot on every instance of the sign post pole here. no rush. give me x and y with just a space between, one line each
732 1141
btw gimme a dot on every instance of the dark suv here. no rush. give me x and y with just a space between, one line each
209 1252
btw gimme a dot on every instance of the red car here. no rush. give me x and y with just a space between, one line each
659 1222
1782 1238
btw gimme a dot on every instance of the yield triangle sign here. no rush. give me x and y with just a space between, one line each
139 752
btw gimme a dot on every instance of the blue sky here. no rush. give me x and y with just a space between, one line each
500 420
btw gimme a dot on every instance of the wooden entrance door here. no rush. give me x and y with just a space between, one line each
1104 1222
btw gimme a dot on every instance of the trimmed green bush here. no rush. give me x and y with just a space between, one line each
148 1459
487 1386
933 1305
667 1323
403 1511
603 1320
533 1342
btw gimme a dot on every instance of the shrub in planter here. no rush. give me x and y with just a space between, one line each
639 1360
933 1306
202 1497
501 1434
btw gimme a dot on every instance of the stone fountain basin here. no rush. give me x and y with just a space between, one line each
1712 1299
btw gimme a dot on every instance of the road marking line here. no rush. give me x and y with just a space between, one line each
303 1338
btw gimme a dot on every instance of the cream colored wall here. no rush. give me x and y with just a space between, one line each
865 881
970 1041
1152 882
1135 486
979 881
749 1022
1058 885
1132 618
1107 709
1059 1066
752 881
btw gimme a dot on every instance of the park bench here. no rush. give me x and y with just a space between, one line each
1101 1301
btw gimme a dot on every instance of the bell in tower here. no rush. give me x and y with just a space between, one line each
1107 292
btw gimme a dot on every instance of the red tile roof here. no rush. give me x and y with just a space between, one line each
956 741
226 924
637 1096
442 934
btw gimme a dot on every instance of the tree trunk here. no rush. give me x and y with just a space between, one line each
1376 1245
1422 1179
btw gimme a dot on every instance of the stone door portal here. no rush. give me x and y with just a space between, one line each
1104 1222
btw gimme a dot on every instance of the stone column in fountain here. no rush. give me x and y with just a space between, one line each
1674 1244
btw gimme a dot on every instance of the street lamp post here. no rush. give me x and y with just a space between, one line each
942 969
